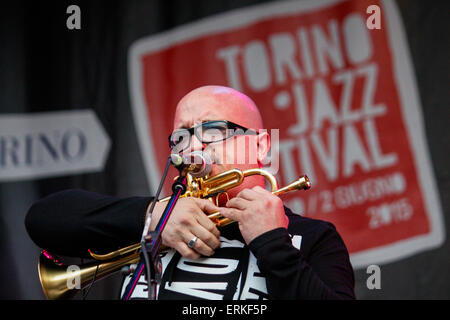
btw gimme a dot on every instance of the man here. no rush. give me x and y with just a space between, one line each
270 253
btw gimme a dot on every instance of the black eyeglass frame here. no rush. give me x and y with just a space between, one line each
231 127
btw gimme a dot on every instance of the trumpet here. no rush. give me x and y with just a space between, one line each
54 276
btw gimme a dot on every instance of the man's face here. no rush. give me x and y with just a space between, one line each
240 151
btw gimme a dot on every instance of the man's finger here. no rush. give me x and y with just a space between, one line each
207 224
207 236
260 191
187 252
248 194
238 203
230 213
205 205
199 246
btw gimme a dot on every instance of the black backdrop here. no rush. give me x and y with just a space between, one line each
46 67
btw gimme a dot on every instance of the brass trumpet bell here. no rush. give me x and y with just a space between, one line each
61 281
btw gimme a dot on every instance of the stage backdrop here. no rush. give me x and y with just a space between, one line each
357 90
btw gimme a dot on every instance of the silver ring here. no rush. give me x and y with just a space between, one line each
191 243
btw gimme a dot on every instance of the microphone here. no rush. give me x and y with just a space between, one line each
197 163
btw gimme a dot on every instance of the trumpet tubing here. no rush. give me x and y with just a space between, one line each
54 276
301 183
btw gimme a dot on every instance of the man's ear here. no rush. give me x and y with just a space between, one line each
263 146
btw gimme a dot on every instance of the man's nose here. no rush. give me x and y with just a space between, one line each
196 144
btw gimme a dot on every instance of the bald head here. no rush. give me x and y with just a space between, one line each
217 103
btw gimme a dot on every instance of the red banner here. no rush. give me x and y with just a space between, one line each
342 95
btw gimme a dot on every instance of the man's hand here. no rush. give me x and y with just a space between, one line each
187 221
257 211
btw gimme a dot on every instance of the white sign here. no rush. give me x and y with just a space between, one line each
47 144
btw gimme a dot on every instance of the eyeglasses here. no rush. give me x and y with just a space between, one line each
206 132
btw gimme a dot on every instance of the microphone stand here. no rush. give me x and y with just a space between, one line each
151 243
